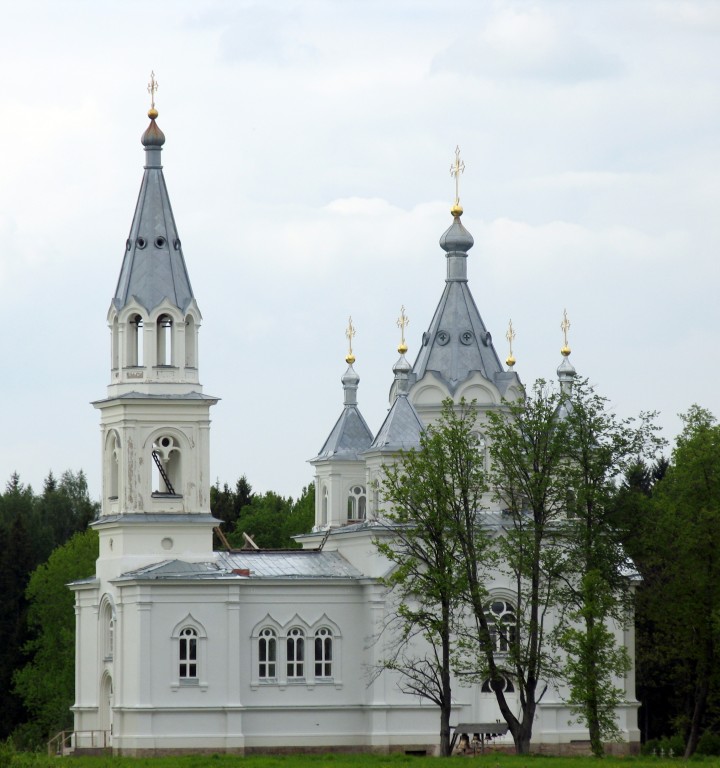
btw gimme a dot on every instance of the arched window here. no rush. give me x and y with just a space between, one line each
323 652
502 623
188 654
166 466
135 341
108 630
325 502
267 654
164 340
295 653
357 502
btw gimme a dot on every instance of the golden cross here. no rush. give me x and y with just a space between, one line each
456 169
152 89
349 333
565 327
510 336
402 323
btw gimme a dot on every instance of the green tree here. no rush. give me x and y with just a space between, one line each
427 491
595 589
527 449
302 514
46 683
684 569
264 520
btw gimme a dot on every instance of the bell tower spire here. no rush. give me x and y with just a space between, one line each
155 420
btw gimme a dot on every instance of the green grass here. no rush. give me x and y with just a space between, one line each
10 759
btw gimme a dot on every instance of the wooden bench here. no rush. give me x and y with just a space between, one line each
483 731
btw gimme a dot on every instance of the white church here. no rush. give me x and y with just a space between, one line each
184 649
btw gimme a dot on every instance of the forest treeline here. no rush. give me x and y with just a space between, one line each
667 515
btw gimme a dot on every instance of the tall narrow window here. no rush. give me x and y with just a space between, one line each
190 343
325 502
323 652
267 654
502 623
115 341
135 341
108 629
164 340
296 653
114 462
187 656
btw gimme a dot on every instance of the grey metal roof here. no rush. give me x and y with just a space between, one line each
155 396
153 268
297 563
457 343
349 437
401 429
265 564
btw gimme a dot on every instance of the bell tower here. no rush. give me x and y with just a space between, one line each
155 420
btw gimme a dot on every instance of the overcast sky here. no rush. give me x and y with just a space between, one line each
307 159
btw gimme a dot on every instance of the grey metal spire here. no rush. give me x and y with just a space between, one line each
153 268
457 343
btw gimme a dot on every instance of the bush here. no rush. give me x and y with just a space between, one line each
709 744
675 743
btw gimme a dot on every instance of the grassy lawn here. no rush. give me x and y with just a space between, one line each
20 760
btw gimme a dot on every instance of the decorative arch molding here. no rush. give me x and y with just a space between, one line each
428 394
480 391
324 621
295 621
131 309
502 593
165 308
267 623
189 622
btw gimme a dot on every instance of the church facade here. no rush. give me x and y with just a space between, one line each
181 648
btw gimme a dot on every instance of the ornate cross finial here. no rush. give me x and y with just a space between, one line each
510 336
402 323
456 169
152 89
349 334
565 327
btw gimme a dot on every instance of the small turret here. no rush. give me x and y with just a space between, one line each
340 493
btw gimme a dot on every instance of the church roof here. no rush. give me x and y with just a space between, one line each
351 434
266 564
401 429
153 267
457 343
349 437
